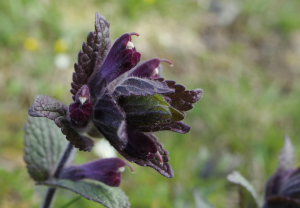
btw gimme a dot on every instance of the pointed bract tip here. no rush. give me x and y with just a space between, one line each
167 61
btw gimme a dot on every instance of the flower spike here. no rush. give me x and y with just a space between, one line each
107 171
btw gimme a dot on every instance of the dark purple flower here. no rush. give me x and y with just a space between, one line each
282 189
123 100
149 69
133 102
81 110
107 171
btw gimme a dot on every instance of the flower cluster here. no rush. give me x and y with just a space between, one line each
121 99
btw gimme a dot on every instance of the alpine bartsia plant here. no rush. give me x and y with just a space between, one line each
122 100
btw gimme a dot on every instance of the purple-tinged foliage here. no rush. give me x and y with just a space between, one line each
141 87
145 150
124 100
283 188
107 171
48 107
82 142
92 54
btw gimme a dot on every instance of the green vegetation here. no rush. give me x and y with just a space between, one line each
247 62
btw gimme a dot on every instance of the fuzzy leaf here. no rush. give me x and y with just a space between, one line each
92 54
44 106
149 111
145 150
108 196
44 145
139 86
110 121
182 99
176 126
81 142
248 195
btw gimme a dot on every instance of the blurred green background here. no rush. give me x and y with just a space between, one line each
245 54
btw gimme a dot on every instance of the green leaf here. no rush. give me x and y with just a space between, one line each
110 197
44 145
248 195
149 110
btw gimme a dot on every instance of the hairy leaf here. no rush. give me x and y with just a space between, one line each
44 106
182 99
108 196
44 145
149 111
92 54
176 126
248 195
109 119
145 150
81 142
140 86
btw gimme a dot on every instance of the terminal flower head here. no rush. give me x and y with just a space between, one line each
124 100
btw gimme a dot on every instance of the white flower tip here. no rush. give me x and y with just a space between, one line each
156 71
121 169
130 45
82 100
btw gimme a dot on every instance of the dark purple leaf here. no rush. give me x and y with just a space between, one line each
145 150
142 87
44 106
176 126
274 184
182 99
82 142
92 54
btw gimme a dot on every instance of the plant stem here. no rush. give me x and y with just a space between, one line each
62 162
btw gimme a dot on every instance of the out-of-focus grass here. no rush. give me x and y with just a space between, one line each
244 54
